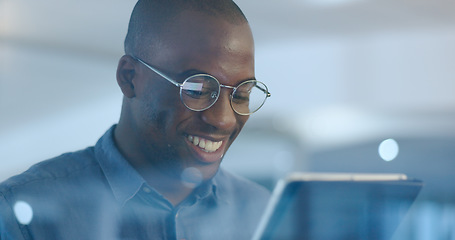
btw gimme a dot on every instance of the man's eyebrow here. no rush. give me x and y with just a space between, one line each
190 72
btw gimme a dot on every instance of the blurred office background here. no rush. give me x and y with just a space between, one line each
345 76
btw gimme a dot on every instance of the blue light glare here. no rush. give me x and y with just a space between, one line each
388 149
191 177
23 212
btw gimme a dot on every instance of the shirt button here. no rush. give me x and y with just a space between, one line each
146 189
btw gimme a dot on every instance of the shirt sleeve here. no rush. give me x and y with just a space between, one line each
9 227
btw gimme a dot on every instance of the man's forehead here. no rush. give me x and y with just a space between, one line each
194 30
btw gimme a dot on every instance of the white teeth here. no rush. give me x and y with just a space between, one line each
202 143
206 145
209 145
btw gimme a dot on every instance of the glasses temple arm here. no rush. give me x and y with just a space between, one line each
159 72
264 90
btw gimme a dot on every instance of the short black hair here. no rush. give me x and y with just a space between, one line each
152 16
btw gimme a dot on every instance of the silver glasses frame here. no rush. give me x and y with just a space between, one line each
180 86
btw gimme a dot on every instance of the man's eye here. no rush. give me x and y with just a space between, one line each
193 94
197 94
241 97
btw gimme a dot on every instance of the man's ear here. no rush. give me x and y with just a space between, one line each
126 72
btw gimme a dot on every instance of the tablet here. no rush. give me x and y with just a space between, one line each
316 206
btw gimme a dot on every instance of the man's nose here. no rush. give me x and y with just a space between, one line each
221 115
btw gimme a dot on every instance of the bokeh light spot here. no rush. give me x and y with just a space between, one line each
191 177
388 149
23 212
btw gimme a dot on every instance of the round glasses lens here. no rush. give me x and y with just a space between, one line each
199 92
249 97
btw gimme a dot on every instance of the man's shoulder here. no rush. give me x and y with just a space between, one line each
67 165
68 190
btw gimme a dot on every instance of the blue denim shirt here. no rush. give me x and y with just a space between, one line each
96 194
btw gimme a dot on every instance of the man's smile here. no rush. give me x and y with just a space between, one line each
205 144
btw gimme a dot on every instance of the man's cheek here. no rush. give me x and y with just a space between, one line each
160 121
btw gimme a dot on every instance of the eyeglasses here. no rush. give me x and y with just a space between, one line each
200 91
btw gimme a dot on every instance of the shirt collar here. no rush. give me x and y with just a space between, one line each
218 191
123 179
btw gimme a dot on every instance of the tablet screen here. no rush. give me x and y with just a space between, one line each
340 209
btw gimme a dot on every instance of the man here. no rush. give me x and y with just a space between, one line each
188 85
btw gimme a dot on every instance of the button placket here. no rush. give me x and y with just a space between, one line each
180 234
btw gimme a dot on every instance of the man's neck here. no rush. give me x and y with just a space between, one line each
163 179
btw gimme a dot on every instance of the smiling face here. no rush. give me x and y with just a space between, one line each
163 133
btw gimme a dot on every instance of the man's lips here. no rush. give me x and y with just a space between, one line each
204 144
